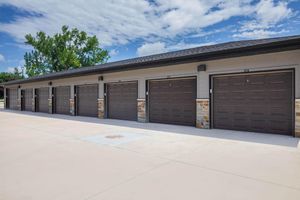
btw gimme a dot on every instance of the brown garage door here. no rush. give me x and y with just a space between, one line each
13 99
27 99
254 102
86 100
42 100
62 100
173 101
122 100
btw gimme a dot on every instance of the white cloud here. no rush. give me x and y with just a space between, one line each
19 45
10 69
267 16
201 34
270 13
182 16
113 52
161 47
183 45
20 67
2 58
151 48
123 21
112 21
258 33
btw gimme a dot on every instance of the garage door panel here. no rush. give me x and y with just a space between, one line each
222 83
221 96
122 100
28 96
278 97
281 127
87 100
42 98
262 104
172 101
62 100
224 109
258 123
279 110
240 123
13 99
224 123
238 112
237 82
278 79
258 81
237 96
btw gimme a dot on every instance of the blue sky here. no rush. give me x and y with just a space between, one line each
131 28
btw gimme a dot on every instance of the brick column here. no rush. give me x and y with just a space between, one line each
141 109
101 108
297 118
202 113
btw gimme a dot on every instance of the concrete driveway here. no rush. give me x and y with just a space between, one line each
59 157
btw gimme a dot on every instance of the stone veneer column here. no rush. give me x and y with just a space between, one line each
141 109
72 107
101 108
19 99
72 100
5 98
50 106
297 118
33 100
202 113
50 103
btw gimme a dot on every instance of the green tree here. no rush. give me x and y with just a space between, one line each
66 50
8 76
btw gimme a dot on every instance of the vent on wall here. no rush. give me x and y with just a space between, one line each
100 78
202 68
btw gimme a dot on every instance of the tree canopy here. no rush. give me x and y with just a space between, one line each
66 50
10 76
